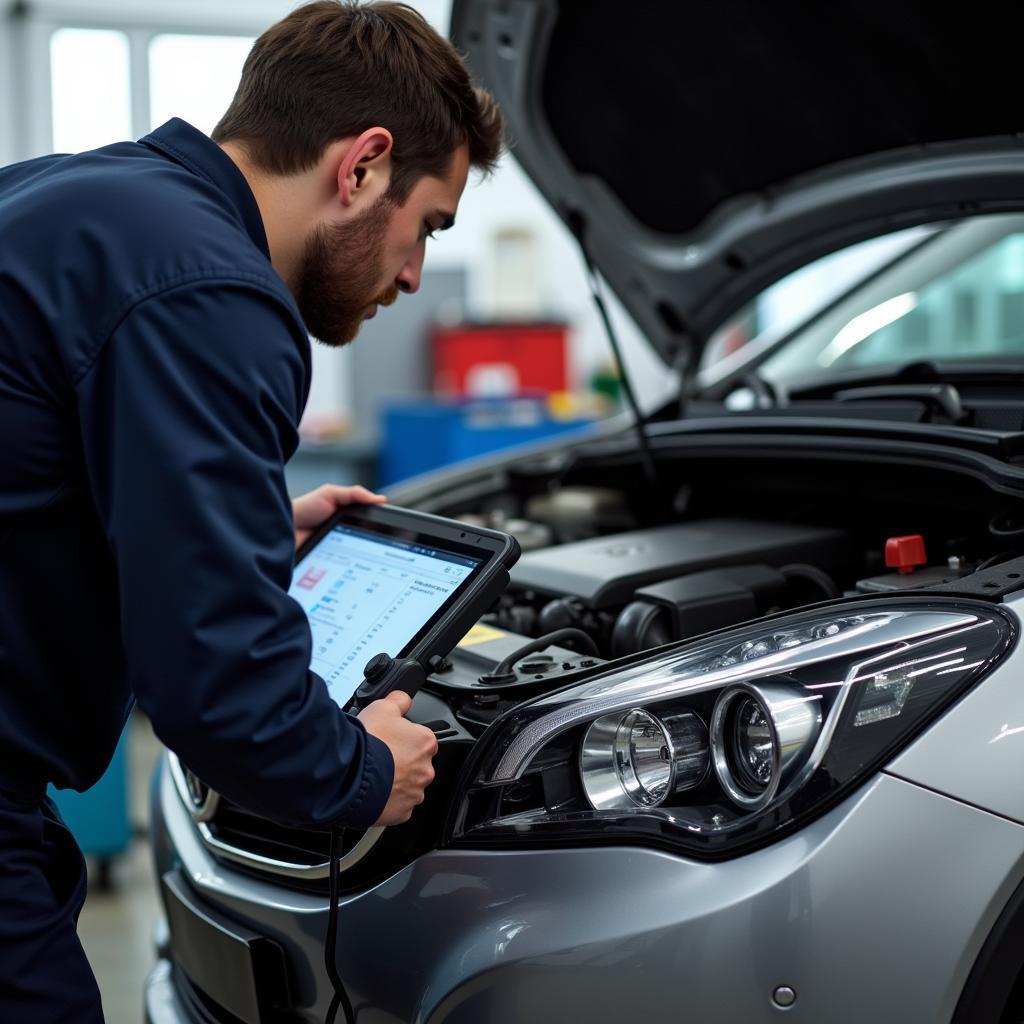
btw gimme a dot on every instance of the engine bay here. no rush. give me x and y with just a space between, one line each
601 579
626 593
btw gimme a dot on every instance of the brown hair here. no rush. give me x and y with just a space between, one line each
334 68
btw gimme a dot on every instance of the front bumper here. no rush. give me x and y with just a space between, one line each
875 911
161 998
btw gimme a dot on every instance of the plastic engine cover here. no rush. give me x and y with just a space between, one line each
605 572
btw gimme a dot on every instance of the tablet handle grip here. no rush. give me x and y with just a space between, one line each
384 674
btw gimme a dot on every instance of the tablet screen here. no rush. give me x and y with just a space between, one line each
366 593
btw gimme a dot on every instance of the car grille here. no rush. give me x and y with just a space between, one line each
244 830
232 833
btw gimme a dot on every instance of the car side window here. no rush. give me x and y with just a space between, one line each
952 291
976 309
785 305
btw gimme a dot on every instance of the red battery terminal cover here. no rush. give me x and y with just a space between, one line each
904 554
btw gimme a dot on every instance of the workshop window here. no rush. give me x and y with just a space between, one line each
89 88
194 77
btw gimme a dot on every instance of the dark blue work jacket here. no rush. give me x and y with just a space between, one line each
153 369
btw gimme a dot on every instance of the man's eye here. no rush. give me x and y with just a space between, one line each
428 231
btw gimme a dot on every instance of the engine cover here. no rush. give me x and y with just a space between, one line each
606 571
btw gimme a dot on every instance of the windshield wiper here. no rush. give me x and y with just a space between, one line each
942 398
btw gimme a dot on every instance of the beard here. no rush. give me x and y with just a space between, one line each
341 269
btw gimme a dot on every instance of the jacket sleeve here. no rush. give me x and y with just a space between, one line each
188 414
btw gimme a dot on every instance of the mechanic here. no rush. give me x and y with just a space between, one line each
156 302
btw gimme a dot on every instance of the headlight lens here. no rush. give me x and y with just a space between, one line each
797 713
754 746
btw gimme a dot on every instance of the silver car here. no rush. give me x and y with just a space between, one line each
744 739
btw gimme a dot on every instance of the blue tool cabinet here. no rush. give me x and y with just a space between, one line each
426 435
98 818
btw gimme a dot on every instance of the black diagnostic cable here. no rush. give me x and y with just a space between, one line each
381 675
576 224
340 1000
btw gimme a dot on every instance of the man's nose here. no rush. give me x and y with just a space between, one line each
408 279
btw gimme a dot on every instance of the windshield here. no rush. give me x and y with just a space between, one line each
943 293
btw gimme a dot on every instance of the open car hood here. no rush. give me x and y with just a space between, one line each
703 151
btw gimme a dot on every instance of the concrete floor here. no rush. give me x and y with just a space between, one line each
116 926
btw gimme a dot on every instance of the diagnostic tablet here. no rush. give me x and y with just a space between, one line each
377 579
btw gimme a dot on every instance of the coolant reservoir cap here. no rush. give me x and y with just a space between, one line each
905 553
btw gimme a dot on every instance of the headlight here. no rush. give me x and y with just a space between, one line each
720 745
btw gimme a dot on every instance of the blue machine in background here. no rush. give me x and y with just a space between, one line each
98 818
418 436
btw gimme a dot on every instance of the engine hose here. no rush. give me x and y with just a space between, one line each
568 636
1002 525
812 574
1002 556
639 627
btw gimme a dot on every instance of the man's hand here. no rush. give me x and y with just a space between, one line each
315 508
412 746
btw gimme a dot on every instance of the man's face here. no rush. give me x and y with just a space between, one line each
351 268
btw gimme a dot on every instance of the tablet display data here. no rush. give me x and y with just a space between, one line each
365 593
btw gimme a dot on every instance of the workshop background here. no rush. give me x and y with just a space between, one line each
502 345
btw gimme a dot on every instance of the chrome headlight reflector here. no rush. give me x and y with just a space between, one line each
800 710
759 735
638 760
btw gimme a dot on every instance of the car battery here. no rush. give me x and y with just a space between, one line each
907 556
929 576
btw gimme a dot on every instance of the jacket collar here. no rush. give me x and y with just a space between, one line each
192 149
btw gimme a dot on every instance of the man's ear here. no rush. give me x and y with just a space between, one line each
365 170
